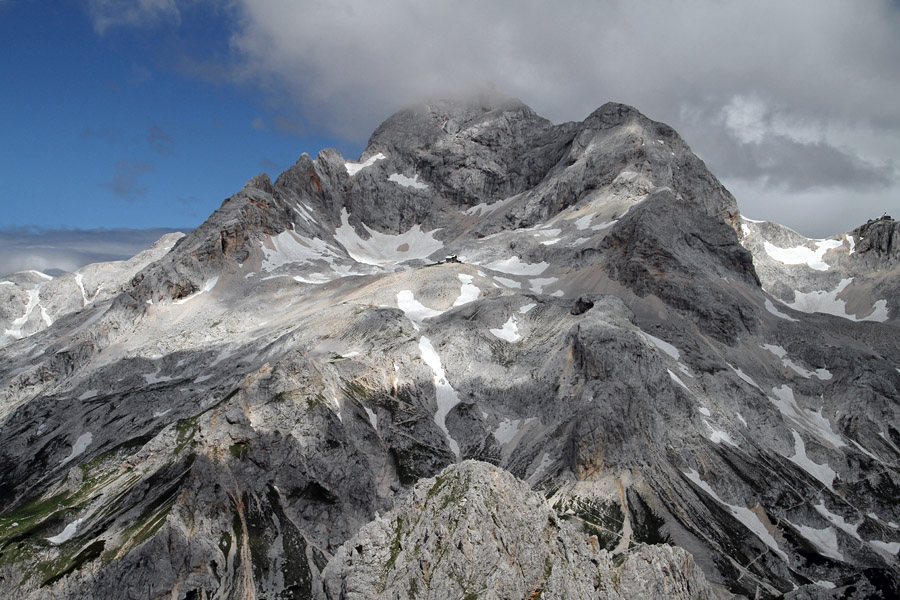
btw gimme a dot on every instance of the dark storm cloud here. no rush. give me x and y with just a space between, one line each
23 248
126 179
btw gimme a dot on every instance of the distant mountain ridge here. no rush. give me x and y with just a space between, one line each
580 305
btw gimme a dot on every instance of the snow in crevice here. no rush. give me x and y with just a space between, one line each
353 167
383 249
152 378
838 521
66 534
34 298
743 514
666 347
484 209
46 317
771 308
207 287
84 440
799 255
506 431
677 380
718 436
822 472
408 182
542 467
744 376
827 301
445 394
812 421
88 395
509 332
373 418
825 540
79 281
414 310
820 373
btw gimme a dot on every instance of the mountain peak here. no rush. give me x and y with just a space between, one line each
634 380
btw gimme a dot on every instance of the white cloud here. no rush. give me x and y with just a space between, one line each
813 83
140 13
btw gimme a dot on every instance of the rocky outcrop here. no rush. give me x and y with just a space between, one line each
474 531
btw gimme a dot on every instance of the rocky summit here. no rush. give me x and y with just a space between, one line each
494 357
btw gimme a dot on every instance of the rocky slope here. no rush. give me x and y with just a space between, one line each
476 531
608 329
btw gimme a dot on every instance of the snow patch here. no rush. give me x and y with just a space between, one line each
414 310
823 374
353 167
152 378
34 298
743 514
811 421
744 376
510 283
469 292
826 301
825 541
84 440
799 255
838 521
718 436
537 285
208 286
525 308
289 248
664 346
822 472
373 418
541 468
677 380
515 266
444 393
66 534
506 431
408 182
385 249
509 331
771 308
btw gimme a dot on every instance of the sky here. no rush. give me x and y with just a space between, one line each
126 115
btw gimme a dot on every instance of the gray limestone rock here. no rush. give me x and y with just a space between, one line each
474 531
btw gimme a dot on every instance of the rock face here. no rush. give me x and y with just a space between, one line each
475 531
581 305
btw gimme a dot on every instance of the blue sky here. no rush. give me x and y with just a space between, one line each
115 130
148 113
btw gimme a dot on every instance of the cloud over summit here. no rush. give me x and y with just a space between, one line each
826 66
